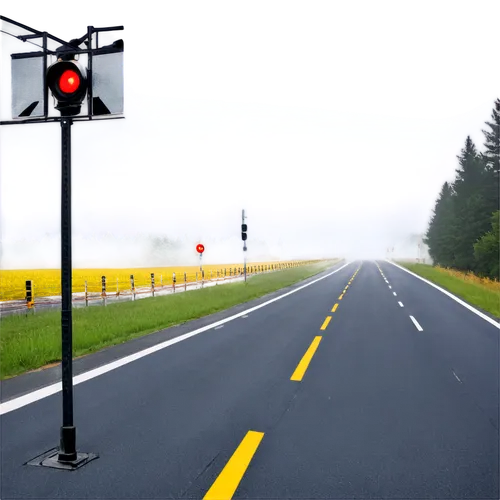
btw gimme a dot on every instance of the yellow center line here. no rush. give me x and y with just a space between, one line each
325 323
304 362
228 480
340 298
335 308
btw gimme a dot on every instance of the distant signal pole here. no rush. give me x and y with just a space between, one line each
200 249
244 238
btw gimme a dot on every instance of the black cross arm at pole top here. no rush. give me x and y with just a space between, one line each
36 33
109 28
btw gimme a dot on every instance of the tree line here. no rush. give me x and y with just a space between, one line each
463 231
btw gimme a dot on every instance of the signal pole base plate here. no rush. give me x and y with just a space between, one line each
50 459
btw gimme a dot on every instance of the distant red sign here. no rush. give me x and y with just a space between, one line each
200 248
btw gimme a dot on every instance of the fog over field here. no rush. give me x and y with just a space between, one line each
108 250
332 124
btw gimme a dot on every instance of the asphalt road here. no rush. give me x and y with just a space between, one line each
395 396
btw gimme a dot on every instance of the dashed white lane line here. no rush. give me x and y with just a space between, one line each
453 297
390 287
456 376
415 322
395 294
400 304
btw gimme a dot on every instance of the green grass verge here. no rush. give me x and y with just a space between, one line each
473 293
29 342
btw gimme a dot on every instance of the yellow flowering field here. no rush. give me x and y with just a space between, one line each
47 282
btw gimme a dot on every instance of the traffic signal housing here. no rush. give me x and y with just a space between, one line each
244 232
68 83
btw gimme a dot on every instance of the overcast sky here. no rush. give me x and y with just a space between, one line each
334 124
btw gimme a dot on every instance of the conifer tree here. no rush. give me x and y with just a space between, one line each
439 236
471 211
491 158
469 176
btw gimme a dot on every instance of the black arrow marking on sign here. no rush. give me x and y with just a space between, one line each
99 108
29 109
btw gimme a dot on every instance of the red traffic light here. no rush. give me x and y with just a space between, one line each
69 81
200 248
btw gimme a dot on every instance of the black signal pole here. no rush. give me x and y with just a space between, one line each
244 243
69 84
67 450
67 456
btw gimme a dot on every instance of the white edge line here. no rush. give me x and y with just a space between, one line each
49 390
415 322
401 304
454 297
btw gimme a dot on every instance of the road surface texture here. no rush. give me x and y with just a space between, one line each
364 382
